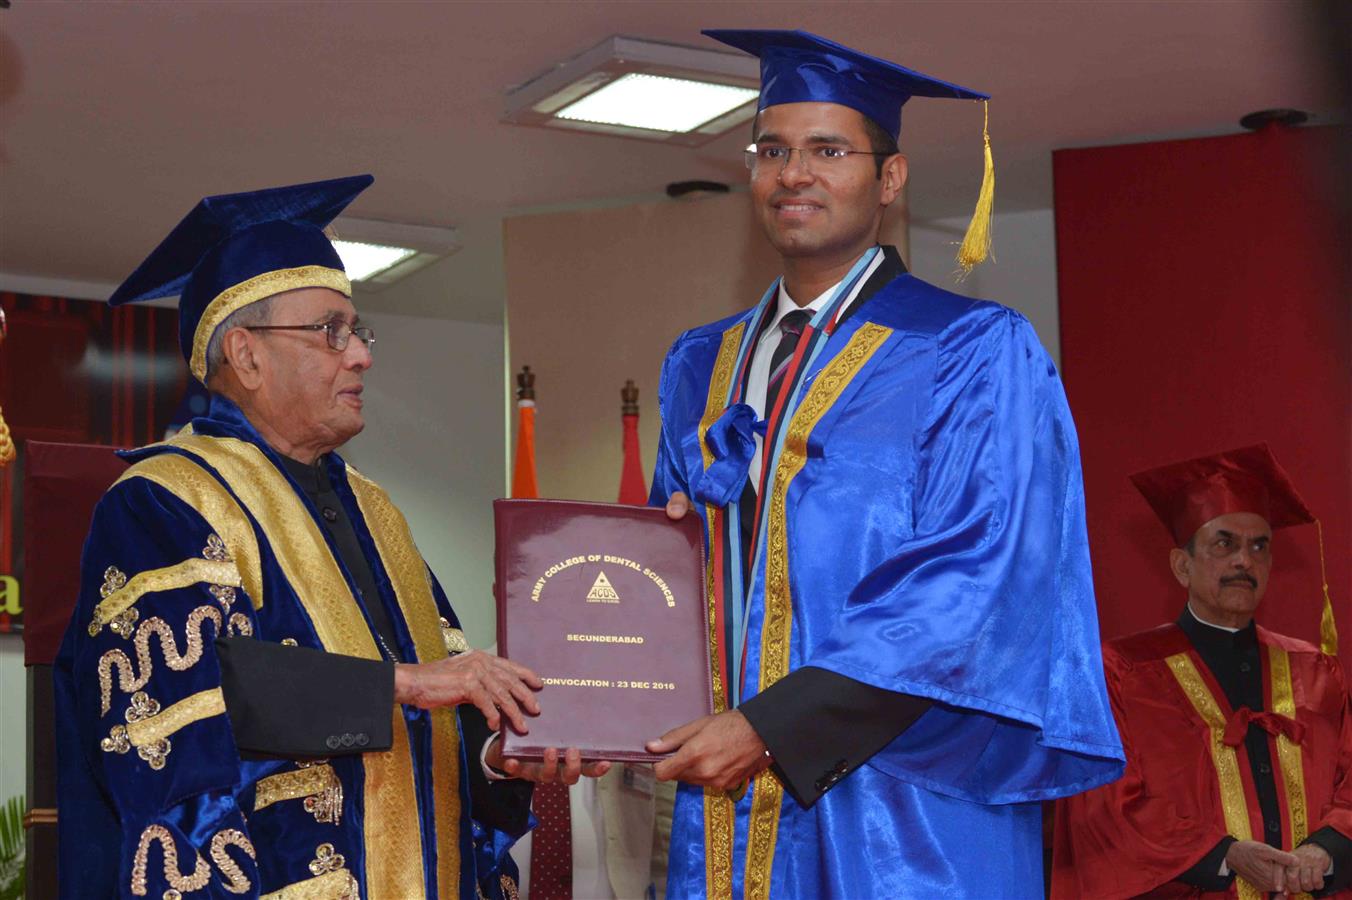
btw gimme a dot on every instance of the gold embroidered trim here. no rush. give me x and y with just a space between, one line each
1223 758
1288 753
119 739
453 637
412 585
390 825
158 726
177 881
336 885
215 549
317 784
259 287
239 626
180 575
128 680
196 487
775 629
719 810
122 623
236 882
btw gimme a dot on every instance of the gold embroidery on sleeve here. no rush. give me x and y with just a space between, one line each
181 575
239 626
177 881
236 882
224 594
116 741
148 729
122 623
317 783
453 637
215 550
128 679
336 885
192 484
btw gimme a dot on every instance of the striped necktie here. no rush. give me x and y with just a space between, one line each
790 330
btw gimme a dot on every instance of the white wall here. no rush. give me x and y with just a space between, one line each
13 705
434 439
1021 273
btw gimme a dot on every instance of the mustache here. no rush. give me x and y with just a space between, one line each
1240 579
781 196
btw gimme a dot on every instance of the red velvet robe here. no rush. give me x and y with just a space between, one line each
1136 835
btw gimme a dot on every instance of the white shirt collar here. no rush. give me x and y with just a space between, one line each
1193 613
785 305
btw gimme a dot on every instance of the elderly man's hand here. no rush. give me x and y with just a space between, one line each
1308 874
677 506
567 768
720 752
1261 865
490 682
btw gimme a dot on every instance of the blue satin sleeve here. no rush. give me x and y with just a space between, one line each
668 474
136 808
987 606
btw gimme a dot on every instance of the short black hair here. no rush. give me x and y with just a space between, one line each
880 142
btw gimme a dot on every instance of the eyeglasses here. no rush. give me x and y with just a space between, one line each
338 332
775 157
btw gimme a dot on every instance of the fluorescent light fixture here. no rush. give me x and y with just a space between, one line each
363 261
377 253
657 102
645 89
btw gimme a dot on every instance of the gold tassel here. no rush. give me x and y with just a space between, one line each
1328 628
976 244
6 444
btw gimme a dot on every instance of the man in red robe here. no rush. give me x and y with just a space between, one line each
1238 740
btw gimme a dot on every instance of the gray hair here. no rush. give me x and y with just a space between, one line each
257 313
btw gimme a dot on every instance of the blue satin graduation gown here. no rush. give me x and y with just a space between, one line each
928 538
207 534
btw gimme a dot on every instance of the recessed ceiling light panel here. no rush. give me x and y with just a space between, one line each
645 89
376 253
362 261
657 102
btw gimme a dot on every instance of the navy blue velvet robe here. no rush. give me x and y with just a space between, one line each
207 535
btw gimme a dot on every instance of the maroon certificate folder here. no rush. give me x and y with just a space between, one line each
606 603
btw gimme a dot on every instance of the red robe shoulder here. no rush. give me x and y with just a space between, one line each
1138 834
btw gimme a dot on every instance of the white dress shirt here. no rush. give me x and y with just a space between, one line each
757 380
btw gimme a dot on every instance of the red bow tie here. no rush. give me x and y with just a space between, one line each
1272 723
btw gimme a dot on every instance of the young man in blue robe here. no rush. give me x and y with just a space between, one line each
258 690
903 633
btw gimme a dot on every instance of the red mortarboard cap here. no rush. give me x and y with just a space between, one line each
1187 495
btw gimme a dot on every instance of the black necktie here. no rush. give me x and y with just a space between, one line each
790 330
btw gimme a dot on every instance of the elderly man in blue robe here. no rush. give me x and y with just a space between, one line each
263 690
904 641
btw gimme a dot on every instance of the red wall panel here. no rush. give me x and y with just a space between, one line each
1200 310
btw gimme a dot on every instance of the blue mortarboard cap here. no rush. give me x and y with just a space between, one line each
235 249
799 67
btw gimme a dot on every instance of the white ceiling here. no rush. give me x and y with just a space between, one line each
115 117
